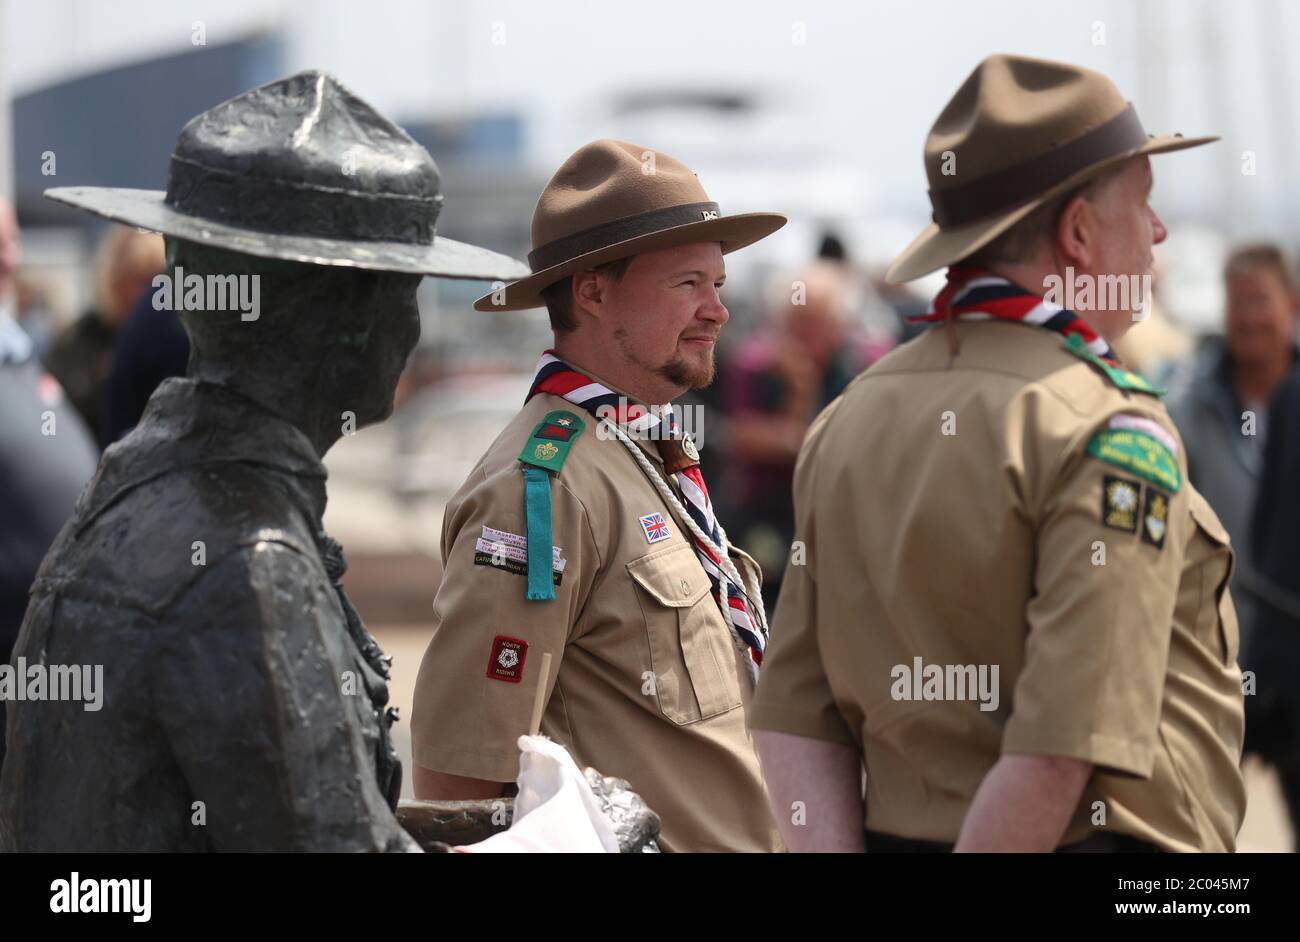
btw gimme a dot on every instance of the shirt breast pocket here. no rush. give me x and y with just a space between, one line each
694 669
1217 618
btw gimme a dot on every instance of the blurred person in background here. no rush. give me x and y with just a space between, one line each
1272 651
151 347
34 314
1220 402
777 381
46 456
82 355
1262 304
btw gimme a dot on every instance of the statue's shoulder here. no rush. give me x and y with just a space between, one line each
150 539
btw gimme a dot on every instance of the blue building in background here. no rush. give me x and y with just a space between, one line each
117 127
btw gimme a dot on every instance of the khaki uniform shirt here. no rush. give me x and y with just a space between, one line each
950 512
646 682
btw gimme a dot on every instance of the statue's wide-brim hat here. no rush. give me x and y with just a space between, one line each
301 169
612 200
1017 134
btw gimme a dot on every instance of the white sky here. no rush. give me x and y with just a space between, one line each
857 95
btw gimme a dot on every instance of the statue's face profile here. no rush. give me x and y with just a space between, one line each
388 305
334 338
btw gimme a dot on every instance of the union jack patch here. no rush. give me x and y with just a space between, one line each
655 528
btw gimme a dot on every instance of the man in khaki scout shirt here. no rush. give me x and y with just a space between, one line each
578 533
1009 607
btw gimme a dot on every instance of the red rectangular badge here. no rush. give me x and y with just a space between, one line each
507 660
551 430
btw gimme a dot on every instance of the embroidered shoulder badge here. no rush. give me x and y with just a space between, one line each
1140 453
548 446
1119 503
1124 379
1155 518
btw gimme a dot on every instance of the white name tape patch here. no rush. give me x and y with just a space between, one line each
508 552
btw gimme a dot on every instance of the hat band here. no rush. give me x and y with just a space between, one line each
285 206
569 247
982 197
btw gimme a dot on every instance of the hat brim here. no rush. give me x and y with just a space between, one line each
936 248
734 232
146 209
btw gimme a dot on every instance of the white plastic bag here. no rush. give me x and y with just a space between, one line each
555 810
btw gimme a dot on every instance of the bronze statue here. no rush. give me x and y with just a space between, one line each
244 704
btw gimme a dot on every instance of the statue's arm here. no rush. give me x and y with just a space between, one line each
260 717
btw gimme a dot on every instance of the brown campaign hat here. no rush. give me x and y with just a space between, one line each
612 199
1018 133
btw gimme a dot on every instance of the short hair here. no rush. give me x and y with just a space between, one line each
559 296
1020 242
1261 255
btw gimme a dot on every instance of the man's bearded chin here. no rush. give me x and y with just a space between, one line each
680 373
677 371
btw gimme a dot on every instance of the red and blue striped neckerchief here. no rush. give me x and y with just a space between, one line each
974 294
556 377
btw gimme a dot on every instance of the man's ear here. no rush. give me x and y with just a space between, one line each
588 293
1077 233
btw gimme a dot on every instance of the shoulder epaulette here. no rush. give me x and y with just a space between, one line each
548 446
543 455
1124 379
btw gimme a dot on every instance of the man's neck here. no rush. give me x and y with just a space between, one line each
1032 276
1035 277
627 379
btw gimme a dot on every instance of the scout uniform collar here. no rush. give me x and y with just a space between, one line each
548 446
603 400
974 294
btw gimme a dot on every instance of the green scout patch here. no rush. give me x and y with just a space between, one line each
1124 379
1120 498
548 446
1138 453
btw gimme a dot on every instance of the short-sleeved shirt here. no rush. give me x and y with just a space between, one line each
952 520
647 682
